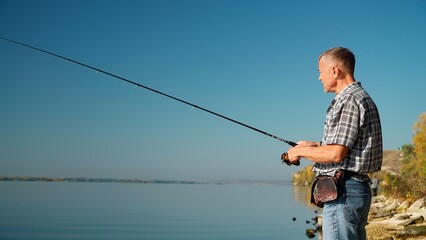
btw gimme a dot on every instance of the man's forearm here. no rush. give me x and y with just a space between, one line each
319 154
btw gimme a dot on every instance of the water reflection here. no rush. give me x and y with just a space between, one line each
303 195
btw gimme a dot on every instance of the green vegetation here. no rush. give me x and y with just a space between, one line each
410 184
305 177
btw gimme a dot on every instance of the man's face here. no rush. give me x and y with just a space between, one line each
326 76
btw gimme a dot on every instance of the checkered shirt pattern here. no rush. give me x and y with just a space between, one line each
353 121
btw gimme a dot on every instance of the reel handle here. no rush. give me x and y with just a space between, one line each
284 159
284 156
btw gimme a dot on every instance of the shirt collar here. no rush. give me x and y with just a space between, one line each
347 89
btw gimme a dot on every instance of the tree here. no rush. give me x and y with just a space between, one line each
419 141
411 183
414 169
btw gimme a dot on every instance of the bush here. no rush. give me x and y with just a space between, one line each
304 177
411 183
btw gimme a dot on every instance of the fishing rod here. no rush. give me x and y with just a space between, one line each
284 156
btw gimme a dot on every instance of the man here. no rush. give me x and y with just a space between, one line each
352 143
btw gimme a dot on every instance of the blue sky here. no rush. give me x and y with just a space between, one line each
254 61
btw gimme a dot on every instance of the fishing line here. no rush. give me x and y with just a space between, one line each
155 91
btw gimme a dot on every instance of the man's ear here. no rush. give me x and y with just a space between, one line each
336 72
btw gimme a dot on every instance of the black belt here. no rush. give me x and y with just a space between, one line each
354 175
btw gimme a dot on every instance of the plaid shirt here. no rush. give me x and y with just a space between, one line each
353 121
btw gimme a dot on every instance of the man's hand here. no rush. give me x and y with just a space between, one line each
292 156
284 158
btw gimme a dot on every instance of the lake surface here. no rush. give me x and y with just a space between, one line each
69 210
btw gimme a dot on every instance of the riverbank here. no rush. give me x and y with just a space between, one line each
390 219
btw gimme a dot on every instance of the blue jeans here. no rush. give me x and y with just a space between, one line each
346 217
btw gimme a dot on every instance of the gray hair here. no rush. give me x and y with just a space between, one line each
341 55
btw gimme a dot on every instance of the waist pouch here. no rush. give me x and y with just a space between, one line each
326 188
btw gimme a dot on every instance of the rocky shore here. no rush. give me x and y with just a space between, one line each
390 219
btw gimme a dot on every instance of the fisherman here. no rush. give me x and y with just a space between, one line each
352 141
351 144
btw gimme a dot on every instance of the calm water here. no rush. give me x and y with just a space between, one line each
60 210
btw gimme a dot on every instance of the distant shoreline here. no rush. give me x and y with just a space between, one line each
140 181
